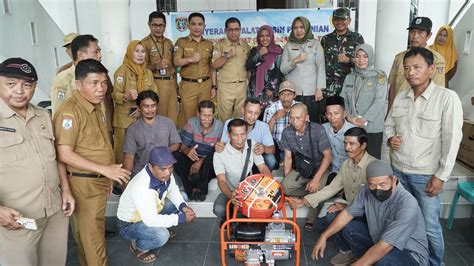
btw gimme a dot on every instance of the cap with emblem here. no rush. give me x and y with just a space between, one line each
18 68
161 156
69 38
341 13
378 168
287 86
423 23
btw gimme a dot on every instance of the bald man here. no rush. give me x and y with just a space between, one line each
307 157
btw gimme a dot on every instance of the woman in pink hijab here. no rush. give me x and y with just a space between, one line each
264 66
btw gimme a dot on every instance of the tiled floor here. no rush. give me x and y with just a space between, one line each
198 244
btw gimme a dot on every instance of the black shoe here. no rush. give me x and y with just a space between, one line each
200 196
109 233
192 196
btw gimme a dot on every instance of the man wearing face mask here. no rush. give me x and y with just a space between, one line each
394 232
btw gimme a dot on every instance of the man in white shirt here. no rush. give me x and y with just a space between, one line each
229 164
143 216
424 129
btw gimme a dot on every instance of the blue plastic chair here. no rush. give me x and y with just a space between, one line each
466 190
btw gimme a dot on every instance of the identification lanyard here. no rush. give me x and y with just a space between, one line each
160 53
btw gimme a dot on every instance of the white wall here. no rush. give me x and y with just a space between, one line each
391 34
208 5
463 81
16 41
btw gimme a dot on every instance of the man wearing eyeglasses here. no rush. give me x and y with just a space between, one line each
229 59
159 52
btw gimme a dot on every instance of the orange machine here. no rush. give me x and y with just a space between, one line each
259 235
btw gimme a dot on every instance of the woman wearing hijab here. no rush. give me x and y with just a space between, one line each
303 64
444 44
131 78
364 92
264 66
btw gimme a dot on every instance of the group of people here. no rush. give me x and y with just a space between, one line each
315 108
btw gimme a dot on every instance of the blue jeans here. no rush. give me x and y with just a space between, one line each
355 236
323 223
430 207
270 160
147 238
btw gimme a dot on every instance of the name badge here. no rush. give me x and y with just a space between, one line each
7 129
163 72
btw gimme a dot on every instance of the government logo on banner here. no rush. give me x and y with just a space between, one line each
181 23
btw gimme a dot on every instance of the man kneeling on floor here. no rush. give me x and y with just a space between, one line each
393 231
143 216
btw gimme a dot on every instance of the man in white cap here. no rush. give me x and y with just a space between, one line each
393 231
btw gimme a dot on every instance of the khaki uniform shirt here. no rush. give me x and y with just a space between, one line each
82 125
352 177
186 47
29 180
124 81
62 87
64 67
430 128
234 68
156 51
397 80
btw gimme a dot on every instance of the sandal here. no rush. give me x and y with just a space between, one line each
309 226
143 256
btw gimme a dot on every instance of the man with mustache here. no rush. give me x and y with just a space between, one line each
350 178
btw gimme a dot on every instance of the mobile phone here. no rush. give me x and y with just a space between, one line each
28 223
132 110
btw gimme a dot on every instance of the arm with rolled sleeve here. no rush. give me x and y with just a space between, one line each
286 62
379 101
451 135
327 192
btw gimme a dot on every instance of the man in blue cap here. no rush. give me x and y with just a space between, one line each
143 216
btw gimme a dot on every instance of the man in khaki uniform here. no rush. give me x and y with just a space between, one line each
82 47
229 58
159 50
32 184
67 45
84 145
419 34
193 54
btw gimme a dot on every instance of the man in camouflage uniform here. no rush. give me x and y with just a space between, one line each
339 50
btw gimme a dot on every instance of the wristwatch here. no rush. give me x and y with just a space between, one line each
214 87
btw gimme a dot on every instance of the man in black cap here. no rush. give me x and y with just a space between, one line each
339 50
393 233
143 216
33 185
419 33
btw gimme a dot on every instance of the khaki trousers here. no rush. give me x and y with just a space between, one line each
119 138
45 246
191 94
297 188
231 98
91 200
168 105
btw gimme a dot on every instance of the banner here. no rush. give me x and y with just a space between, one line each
279 19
